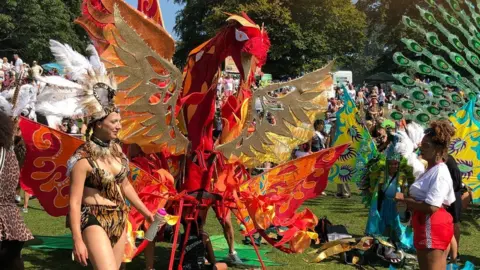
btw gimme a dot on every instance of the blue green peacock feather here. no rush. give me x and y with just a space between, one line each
458 26
351 129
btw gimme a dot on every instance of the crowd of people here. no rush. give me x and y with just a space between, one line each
434 196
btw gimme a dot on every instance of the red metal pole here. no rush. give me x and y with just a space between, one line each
175 236
251 239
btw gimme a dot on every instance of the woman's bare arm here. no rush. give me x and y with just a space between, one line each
416 205
77 183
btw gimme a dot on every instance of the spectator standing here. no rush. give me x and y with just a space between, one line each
37 70
320 137
351 91
220 85
5 65
228 85
18 64
381 98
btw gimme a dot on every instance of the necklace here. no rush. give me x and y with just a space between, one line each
99 148
99 142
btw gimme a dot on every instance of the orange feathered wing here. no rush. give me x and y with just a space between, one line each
274 197
139 51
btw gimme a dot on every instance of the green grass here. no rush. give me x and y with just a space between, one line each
349 212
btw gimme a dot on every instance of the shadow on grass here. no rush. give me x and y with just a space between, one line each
62 259
470 218
472 259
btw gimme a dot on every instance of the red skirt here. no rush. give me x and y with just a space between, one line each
432 231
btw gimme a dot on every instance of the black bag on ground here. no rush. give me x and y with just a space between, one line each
322 228
328 232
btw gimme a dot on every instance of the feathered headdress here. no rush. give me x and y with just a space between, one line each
24 103
90 92
405 146
415 133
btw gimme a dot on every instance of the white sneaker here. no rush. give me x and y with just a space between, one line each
234 259
25 210
18 199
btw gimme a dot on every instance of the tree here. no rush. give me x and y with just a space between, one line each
27 25
385 30
305 34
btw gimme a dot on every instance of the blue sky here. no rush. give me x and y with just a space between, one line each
169 11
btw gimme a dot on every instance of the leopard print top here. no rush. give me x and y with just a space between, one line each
12 226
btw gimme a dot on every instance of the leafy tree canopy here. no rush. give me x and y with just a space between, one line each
385 30
26 26
305 34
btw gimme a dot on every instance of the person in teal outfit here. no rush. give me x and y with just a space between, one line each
389 173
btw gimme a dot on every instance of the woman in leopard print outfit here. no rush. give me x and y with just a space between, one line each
13 232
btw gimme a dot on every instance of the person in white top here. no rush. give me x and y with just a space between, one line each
303 150
351 91
18 64
381 98
431 193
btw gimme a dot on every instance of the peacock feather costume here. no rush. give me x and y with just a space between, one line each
452 48
379 188
452 57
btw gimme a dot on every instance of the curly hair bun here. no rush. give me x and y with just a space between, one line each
443 132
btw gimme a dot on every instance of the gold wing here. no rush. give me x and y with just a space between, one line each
257 140
149 84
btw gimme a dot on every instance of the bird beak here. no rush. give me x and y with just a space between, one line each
247 65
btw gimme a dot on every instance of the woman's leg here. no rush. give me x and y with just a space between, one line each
149 253
432 259
119 248
10 255
26 198
456 230
453 250
100 252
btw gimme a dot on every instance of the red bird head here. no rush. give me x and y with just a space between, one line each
250 44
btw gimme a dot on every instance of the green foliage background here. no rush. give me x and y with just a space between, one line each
27 25
305 34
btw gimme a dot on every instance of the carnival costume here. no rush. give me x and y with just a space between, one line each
164 113
92 98
380 187
111 218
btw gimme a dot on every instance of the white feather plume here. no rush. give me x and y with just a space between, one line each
58 82
406 147
95 61
61 98
5 106
26 99
75 64
415 133
54 121
60 101
8 94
